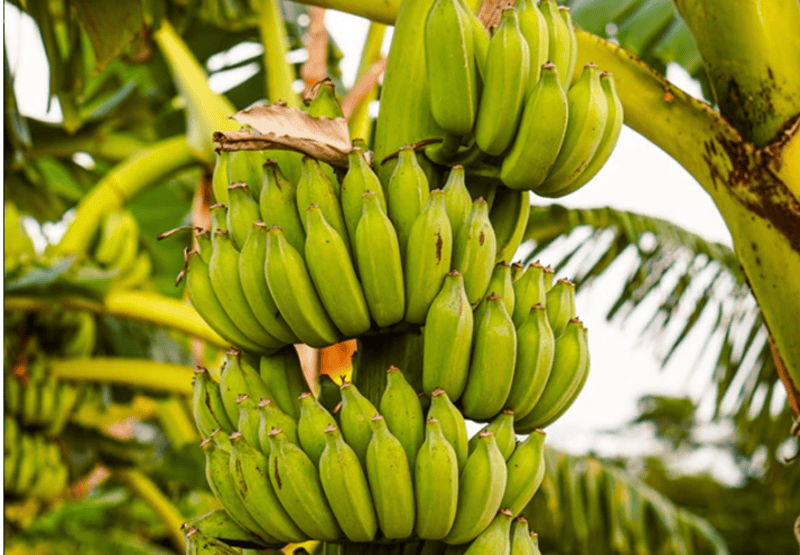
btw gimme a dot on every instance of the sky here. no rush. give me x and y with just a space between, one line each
638 177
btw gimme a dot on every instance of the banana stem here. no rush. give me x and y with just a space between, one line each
178 425
111 146
144 168
147 491
279 73
142 306
359 122
137 373
376 353
384 11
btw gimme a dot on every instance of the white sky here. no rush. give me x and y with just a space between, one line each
638 177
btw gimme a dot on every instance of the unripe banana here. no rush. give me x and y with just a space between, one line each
26 464
334 276
284 376
458 201
317 188
504 86
534 29
559 42
69 397
354 419
203 240
480 491
244 166
237 377
526 469
390 482
495 539
30 403
560 303
503 429
249 420
607 142
501 284
452 423
535 352
219 524
324 102
200 544
407 194
271 418
114 232
474 251
549 276
449 61
12 393
523 540
291 288
252 263
219 218
346 488
242 212
359 179
564 13
329 395
295 479
588 114
529 290
249 470
428 257
509 216
219 178
278 204
541 131
491 371
402 412
480 38
569 373
447 337
379 263
314 420
223 270
207 408
517 271
435 484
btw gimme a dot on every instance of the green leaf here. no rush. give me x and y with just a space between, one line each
111 26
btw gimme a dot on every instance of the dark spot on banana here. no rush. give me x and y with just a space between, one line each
439 244
278 477
481 238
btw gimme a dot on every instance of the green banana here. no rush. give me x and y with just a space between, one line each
69 397
30 403
237 377
317 188
284 376
329 395
528 291
560 303
549 276
242 212
495 539
219 218
522 539
354 419
207 406
534 28
390 481
26 464
535 352
219 178
607 142
474 251
324 102
559 43
501 284
402 412
526 469
314 420
12 393
427 260
114 232
249 472
249 420
203 239
379 264
346 488
359 179
244 166
223 270
447 339
505 85
481 487
569 373
407 194
509 217
458 201
252 262
588 115
453 425
199 544
480 38
219 524
278 203
542 130
11 446
435 484
450 65
494 354
296 481
503 429
294 294
334 276
564 13
271 418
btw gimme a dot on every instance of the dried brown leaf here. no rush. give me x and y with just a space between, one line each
491 10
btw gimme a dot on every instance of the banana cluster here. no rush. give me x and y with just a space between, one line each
286 469
317 261
32 464
117 249
507 100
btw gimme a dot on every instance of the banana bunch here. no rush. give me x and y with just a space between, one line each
285 469
117 249
506 101
32 464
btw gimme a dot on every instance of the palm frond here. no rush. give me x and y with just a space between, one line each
587 506
675 280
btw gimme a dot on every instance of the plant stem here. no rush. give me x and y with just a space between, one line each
137 373
376 353
279 73
384 11
144 168
111 146
178 425
359 122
